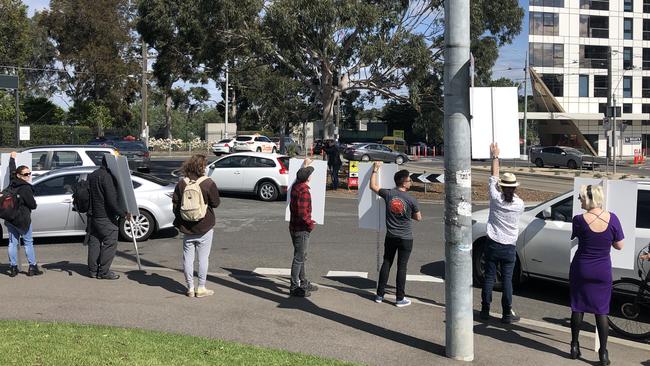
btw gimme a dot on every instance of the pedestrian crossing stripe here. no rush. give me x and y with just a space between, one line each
273 271
347 274
350 274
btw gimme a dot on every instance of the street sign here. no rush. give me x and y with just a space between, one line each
398 133
8 82
353 174
428 178
632 140
607 125
24 133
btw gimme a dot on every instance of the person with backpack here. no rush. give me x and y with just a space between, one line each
194 200
19 225
104 214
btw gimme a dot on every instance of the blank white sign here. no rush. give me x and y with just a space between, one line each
316 188
372 208
621 198
21 159
495 118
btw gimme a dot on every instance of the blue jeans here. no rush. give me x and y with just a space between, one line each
14 241
506 256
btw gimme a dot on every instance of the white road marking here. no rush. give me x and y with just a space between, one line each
423 278
273 271
347 274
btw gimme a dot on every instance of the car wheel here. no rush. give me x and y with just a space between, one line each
399 160
145 225
259 149
539 163
267 191
572 164
365 158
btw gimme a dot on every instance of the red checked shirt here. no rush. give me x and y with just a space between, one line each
300 207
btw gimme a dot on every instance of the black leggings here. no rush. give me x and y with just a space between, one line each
601 325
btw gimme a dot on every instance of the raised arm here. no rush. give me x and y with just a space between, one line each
374 185
494 151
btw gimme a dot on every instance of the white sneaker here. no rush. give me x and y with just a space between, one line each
190 292
203 292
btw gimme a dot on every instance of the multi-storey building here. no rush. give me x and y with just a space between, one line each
569 52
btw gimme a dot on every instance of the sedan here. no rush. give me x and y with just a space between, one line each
262 174
55 215
558 156
368 152
225 146
136 153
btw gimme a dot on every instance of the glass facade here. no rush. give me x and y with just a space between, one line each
584 85
546 54
544 24
594 26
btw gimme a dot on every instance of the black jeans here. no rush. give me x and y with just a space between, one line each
403 248
102 244
506 256
334 170
300 240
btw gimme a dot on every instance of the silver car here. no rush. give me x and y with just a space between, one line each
368 152
544 245
55 215
561 156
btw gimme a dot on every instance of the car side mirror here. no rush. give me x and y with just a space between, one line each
546 213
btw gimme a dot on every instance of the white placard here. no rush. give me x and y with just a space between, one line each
495 118
372 208
24 133
317 186
21 159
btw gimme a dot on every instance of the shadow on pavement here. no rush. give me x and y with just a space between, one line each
540 290
566 322
65 266
156 280
436 269
248 285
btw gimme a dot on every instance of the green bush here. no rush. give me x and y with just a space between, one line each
47 135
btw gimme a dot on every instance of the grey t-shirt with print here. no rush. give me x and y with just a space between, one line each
400 207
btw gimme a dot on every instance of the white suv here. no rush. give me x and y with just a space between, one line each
46 158
257 143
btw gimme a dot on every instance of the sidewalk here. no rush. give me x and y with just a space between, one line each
342 323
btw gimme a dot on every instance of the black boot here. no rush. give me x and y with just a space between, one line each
575 350
603 356
34 271
13 271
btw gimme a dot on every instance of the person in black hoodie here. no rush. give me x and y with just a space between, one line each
21 225
103 216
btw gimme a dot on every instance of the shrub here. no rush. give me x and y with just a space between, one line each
47 135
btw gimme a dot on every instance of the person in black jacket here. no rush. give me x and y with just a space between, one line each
21 225
333 162
103 216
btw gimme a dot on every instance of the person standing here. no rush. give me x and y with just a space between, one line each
195 198
401 209
21 225
501 244
104 215
590 274
300 228
333 162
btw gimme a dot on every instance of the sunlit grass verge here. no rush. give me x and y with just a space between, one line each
34 343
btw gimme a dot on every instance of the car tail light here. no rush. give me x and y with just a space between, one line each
146 154
226 145
283 169
250 142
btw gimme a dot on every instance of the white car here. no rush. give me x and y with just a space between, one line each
266 175
225 146
46 158
257 143
544 245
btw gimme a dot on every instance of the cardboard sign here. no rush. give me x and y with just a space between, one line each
119 167
21 159
372 208
317 186
495 118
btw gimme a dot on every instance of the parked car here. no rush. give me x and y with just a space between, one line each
257 143
544 243
265 175
394 143
225 146
136 153
560 156
55 215
51 157
289 143
368 152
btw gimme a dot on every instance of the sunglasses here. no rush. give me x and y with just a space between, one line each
26 174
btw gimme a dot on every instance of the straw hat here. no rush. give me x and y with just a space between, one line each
508 180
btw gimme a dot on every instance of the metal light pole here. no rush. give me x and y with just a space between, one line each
144 124
227 110
526 108
458 207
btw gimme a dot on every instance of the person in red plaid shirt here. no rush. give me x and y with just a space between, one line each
300 227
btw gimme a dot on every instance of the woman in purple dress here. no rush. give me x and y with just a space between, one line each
590 276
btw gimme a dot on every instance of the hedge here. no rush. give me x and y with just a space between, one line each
47 135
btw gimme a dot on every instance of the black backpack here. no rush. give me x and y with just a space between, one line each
81 196
9 202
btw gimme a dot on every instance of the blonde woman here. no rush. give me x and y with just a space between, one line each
590 276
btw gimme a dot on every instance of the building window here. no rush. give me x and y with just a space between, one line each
627 58
600 86
602 108
594 4
645 87
554 83
646 29
551 3
544 24
627 28
645 108
593 26
645 65
627 107
593 57
584 85
646 6
546 54
628 5
627 87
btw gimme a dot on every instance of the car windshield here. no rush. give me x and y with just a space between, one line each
530 208
151 178
224 141
243 138
573 151
284 160
130 145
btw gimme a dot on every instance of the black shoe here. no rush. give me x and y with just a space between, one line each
510 317
311 288
299 292
108 276
575 350
92 274
603 356
34 271
13 271
484 314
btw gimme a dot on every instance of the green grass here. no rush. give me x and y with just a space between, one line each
28 343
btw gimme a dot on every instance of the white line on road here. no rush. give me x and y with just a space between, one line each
347 274
273 271
423 278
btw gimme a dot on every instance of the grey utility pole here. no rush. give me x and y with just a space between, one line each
17 111
144 125
610 110
459 340
526 108
225 125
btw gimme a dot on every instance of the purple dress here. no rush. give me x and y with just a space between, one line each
590 276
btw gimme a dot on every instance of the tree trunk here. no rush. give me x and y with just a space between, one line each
328 97
168 116
233 107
